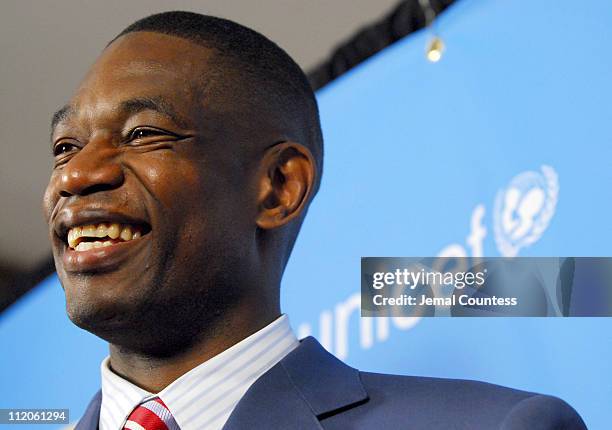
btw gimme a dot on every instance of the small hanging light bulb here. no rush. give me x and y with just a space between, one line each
434 49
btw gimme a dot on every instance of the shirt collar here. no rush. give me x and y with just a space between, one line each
204 397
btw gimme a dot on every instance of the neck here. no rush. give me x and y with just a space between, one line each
153 374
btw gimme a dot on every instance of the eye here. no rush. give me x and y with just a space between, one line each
143 133
63 148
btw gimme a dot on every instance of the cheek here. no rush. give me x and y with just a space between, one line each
202 197
168 178
50 197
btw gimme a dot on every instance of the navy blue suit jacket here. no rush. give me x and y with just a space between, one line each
311 389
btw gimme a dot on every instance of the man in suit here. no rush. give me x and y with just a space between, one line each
184 166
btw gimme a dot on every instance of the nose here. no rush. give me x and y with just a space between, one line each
94 168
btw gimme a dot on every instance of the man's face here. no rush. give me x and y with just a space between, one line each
160 182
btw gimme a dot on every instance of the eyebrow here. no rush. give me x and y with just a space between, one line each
61 115
157 104
128 108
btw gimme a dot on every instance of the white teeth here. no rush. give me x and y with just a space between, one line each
126 233
73 234
89 231
112 231
84 246
102 230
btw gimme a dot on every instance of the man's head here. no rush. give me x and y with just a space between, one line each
198 140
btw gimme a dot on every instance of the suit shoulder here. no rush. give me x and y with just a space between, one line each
472 402
421 385
90 418
543 412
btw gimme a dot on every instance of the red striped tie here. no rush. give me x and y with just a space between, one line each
151 415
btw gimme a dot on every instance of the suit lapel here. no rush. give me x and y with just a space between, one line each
272 403
306 385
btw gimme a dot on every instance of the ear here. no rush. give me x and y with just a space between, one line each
286 182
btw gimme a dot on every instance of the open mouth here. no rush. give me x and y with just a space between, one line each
90 236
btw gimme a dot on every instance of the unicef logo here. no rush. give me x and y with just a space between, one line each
524 209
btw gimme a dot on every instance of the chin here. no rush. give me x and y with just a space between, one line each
103 310
94 316
153 314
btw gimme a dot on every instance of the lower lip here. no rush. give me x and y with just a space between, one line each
102 258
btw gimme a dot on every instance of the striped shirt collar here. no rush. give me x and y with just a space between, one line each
204 397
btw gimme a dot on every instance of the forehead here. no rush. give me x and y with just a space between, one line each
144 63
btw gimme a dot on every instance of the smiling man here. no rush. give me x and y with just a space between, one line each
184 166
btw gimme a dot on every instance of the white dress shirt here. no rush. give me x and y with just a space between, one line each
204 397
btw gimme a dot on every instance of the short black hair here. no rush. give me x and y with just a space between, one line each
281 83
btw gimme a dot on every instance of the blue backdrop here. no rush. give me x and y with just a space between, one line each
501 148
